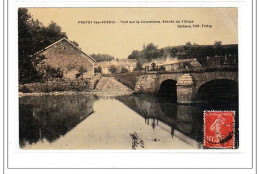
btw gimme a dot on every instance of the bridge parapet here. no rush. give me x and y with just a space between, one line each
188 83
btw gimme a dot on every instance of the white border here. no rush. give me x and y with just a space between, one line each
241 158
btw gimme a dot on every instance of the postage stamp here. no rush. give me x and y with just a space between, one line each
219 132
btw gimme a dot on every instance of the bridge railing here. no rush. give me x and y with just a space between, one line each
171 68
194 69
222 61
218 62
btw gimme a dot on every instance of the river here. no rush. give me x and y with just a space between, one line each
81 121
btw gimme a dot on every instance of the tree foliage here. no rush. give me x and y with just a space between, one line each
124 70
52 72
102 57
81 71
148 52
33 36
75 43
98 70
113 69
188 50
138 66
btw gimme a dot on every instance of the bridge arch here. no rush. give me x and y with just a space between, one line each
168 88
206 77
218 91
187 85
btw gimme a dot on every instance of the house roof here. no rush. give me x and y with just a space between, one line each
103 64
77 48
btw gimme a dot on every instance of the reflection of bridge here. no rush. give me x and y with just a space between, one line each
175 132
182 121
187 84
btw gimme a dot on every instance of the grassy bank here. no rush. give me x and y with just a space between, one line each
55 86
128 79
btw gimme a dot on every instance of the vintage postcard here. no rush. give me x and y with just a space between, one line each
129 85
128 78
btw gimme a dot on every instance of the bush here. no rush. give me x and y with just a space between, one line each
113 69
162 68
80 85
81 71
98 70
124 70
138 66
128 79
53 72
24 89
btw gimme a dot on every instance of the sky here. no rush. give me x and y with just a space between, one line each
120 39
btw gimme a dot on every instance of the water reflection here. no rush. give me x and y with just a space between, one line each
184 119
125 122
49 117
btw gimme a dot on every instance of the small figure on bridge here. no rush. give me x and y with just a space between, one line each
153 66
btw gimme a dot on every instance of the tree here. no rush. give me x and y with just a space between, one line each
134 55
162 68
82 70
124 70
98 70
217 43
139 66
102 57
33 36
219 50
113 69
188 44
52 72
173 52
75 43
151 47
26 70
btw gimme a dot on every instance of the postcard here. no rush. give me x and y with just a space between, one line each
149 86
127 78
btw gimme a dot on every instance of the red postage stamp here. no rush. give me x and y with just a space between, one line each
219 129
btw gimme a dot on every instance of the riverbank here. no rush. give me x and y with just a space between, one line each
128 79
97 93
55 86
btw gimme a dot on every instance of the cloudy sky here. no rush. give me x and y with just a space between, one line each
120 39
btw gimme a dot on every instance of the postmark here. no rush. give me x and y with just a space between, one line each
219 132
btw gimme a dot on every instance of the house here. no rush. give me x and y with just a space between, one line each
227 60
105 66
67 57
129 64
170 64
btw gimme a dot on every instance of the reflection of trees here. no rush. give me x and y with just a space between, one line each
51 116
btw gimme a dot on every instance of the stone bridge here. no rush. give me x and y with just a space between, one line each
187 83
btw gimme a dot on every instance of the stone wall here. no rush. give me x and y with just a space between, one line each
146 84
188 84
69 59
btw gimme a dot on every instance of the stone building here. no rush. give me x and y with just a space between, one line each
70 59
171 64
129 64
227 60
105 66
